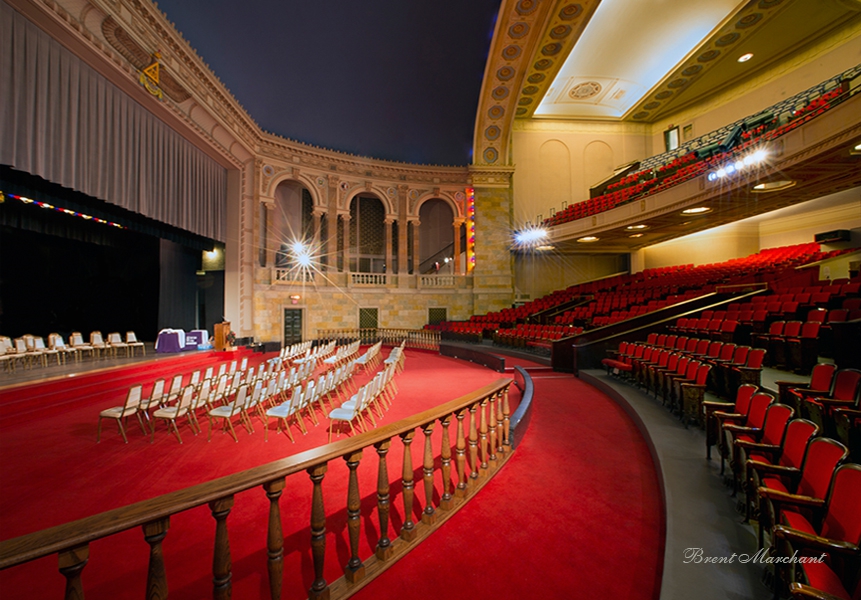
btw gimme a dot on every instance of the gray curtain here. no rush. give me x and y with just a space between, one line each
63 121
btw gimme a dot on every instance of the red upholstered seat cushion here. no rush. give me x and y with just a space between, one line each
773 483
797 521
823 578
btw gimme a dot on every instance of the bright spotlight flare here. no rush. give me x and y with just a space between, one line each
530 237
731 168
302 254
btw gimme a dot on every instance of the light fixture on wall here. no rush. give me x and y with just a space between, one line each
745 57
588 239
294 298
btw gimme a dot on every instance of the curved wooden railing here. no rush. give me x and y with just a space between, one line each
423 339
482 446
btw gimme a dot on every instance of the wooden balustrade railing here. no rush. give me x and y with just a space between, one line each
482 446
414 338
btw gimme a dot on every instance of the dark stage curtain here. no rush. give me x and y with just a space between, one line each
177 299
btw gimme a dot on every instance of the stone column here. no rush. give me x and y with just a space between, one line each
267 241
493 276
416 258
387 230
330 249
455 268
403 228
345 251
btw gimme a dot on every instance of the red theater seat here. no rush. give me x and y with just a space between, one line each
771 435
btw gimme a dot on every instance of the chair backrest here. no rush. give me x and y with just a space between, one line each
726 352
691 346
755 358
204 392
133 400
739 357
222 369
691 371
842 518
817 314
195 378
714 349
702 374
799 433
682 367
776 418
810 329
672 362
96 338
244 365
846 384
157 390
208 373
822 457
176 384
822 376
792 329
838 315
20 346
131 338
776 327
115 338
759 404
241 399
702 346
185 400
729 325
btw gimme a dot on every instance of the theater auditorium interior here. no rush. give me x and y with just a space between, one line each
489 299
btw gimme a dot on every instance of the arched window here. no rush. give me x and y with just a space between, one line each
436 237
292 220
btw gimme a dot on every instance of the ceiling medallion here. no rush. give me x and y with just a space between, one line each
769 3
651 105
641 115
536 78
518 30
505 73
492 132
524 101
708 55
495 112
663 95
511 52
677 83
268 170
543 64
491 155
520 112
560 31
572 11
727 39
692 70
526 7
585 90
499 92
551 49
530 89
748 21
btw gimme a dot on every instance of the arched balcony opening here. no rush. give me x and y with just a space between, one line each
292 220
437 252
367 246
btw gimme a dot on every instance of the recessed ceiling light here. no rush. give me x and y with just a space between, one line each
635 227
696 211
588 238
545 248
773 186
745 57
634 235
856 149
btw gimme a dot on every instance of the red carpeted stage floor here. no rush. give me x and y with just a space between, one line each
577 507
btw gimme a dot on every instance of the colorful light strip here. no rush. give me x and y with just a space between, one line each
470 237
58 209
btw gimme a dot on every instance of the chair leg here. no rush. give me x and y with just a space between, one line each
122 430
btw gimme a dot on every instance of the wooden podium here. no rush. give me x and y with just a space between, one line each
221 331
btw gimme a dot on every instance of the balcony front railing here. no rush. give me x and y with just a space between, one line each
412 338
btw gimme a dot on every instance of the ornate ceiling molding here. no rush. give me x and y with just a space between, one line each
726 38
519 30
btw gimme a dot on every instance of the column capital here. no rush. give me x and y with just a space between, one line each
389 220
458 221
492 177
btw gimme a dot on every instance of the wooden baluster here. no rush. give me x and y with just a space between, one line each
221 565
506 417
72 562
274 538
384 545
483 438
354 570
428 516
500 437
319 589
492 427
156 579
445 459
408 530
460 454
473 442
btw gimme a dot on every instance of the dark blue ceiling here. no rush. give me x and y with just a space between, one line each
392 79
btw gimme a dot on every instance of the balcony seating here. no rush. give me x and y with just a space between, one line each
845 393
781 461
833 530
777 346
803 349
750 424
769 435
792 392
811 480
692 395
749 372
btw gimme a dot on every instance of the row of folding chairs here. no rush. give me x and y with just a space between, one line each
799 487
294 350
371 358
376 395
29 349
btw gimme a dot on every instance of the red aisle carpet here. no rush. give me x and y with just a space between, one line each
576 513
580 447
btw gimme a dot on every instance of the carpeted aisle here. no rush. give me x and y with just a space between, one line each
576 513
